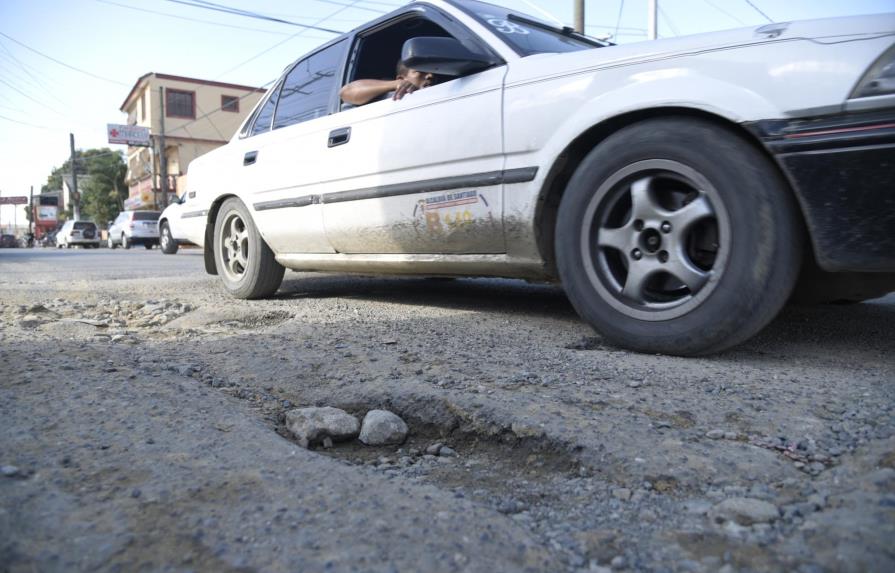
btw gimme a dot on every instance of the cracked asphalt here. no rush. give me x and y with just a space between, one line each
143 429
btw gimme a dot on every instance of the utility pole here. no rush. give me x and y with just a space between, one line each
579 16
75 197
652 25
163 156
31 208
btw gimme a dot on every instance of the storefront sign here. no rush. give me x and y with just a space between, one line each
47 213
128 134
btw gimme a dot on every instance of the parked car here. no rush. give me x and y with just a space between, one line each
674 188
77 233
170 229
134 228
8 242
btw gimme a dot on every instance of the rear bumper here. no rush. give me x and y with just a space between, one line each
843 171
139 240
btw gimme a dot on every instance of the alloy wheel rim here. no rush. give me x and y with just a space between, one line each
234 246
655 239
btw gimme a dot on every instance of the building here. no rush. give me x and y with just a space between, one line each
199 115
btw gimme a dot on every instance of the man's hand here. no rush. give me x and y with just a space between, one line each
402 88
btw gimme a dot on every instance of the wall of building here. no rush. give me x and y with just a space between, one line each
205 127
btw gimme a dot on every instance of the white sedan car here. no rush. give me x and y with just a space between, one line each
170 228
676 189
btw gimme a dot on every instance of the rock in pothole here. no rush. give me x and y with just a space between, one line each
313 425
382 427
744 511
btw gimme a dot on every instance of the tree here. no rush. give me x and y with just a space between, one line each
103 194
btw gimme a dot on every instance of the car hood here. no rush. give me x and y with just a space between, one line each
825 30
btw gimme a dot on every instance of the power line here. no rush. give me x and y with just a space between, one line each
618 21
757 9
27 71
23 122
609 26
169 15
62 63
213 126
668 21
353 5
248 14
32 98
723 11
295 35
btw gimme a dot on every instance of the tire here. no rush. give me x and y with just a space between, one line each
125 242
147 246
679 237
246 264
111 243
166 242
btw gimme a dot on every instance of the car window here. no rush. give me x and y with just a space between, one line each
525 34
146 216
265 115
309 86
84 225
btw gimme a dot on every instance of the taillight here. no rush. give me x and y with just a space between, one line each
131 225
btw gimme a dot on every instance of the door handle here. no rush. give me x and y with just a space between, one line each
339 136
250 158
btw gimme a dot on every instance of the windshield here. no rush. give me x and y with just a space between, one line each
146 215
526 34
81 225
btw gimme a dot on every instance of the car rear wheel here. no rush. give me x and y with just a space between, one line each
166 241
125 242
246 264
677 236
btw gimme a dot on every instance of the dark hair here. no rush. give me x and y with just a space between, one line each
401 69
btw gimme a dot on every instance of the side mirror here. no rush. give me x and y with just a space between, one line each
443 56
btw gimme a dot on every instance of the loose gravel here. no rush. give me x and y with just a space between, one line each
160 432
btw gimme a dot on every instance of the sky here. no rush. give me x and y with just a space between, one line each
67 65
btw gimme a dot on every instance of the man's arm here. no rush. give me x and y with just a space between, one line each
360 92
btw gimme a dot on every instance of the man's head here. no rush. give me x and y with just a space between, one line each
417 78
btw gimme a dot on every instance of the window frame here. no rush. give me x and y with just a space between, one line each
333 106
192 95
456 29
336 83
235 102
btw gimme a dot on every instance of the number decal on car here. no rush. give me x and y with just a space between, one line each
507 27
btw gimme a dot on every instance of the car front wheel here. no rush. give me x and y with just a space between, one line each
110 243
125 242
244 261
677 236
166 241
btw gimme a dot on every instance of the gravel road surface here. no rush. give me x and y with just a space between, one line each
144 427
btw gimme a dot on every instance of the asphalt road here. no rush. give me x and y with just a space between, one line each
143 419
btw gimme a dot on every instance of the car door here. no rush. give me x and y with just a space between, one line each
285 157
422 174
115 229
